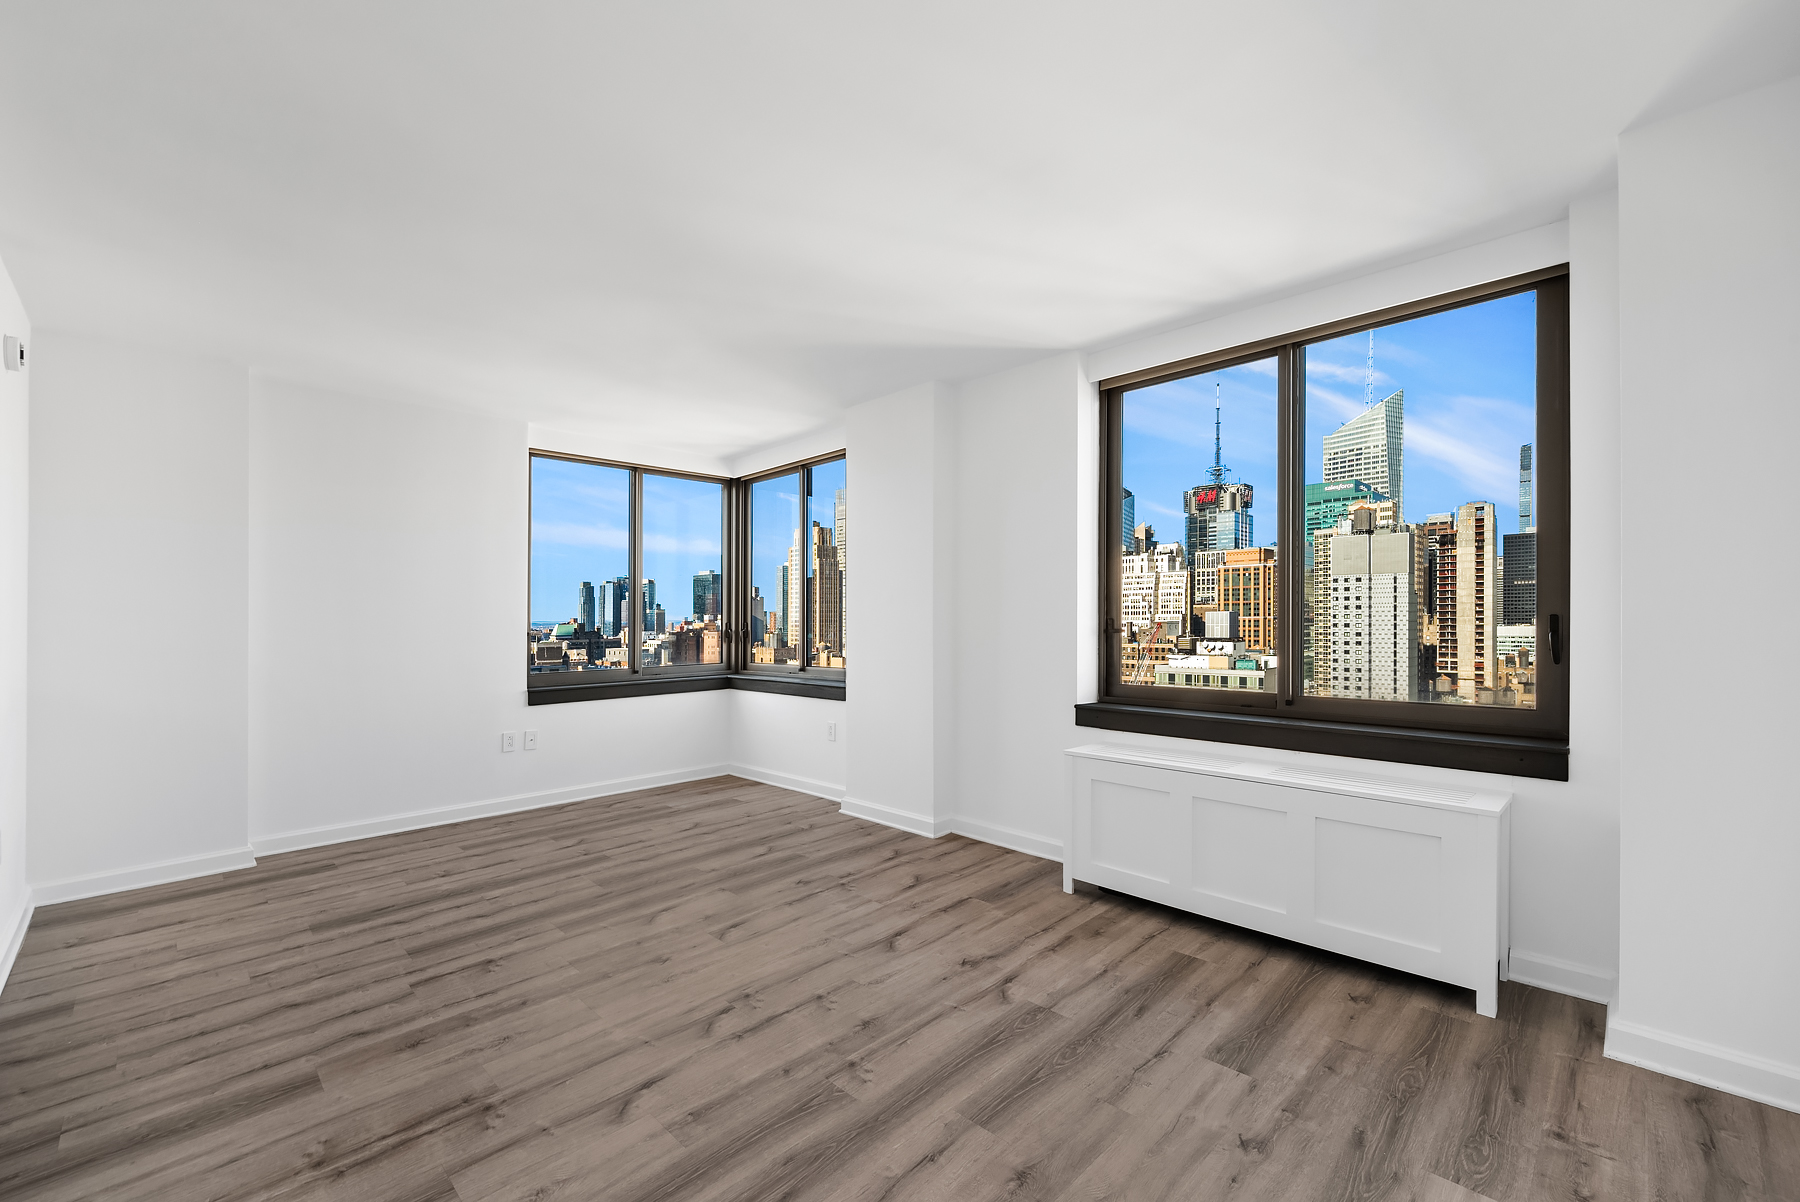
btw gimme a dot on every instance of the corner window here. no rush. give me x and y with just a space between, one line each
649 580
1365 524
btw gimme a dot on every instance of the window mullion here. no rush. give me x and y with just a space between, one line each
804 534
636 631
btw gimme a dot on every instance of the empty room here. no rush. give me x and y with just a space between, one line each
879 603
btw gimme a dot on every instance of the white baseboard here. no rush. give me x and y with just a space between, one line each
918 824
1704 1063
413 820
799 784
144 875
1004 836
986 832
1584 981
15 938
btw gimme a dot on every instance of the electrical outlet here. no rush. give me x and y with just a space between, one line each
531 740
831 732
509 740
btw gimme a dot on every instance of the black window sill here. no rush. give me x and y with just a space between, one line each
1511 755
646 686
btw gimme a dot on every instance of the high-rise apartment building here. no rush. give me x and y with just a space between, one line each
1372 613
584 612
1467 603
1143 539
1519 585
1205 570
1155 588
708 594
759 616
1527 522
1247 588
1370 447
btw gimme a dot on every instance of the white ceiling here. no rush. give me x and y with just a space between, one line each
712 225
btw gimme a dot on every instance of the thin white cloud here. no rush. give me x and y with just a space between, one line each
574 534
1334 407
668 544
1160 510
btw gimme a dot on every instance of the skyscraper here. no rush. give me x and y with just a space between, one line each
1519 605
1526 520
707 595
1218 517
793 592
1369 447
1127 518
843 564
584 612
615 606
1468 609
827 599
649 605
1373 613
1326 504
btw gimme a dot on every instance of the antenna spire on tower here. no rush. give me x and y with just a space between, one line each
1218 467
1369 379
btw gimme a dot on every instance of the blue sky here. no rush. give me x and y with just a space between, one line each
580 523
1470 377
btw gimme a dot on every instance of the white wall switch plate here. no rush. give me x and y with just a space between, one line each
531 740
831 732
509 740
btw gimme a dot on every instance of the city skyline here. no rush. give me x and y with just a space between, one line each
580 531
1470 381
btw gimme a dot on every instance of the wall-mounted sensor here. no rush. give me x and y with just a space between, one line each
15 353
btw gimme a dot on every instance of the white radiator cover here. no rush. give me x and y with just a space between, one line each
1407 875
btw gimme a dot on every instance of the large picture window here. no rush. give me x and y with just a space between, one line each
1352 539
647 580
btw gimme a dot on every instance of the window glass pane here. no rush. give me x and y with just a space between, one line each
827 564
1421 555
580 566
776 571
683 587
1200 515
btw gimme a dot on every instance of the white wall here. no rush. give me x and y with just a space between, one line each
15 529
139 633
784 741
904 607
1034 480
388 574
1710 817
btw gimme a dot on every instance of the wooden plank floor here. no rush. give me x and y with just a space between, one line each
728 991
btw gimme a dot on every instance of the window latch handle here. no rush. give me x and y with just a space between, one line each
1555 638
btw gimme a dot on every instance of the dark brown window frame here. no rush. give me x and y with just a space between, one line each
734 671
1518 742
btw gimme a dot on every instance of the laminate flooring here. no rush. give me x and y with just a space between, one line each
727 991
